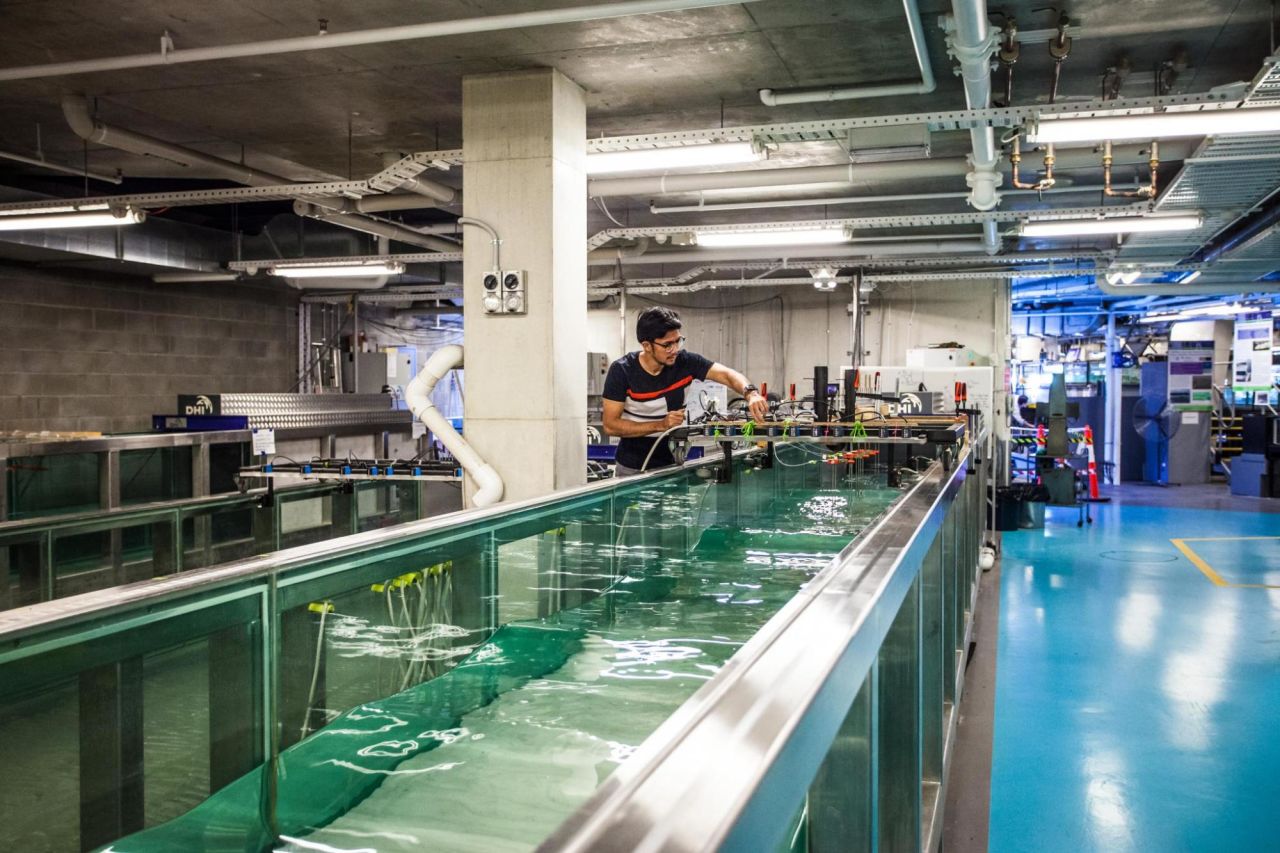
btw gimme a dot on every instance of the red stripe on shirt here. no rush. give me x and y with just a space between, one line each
653 395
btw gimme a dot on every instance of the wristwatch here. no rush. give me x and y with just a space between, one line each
747 391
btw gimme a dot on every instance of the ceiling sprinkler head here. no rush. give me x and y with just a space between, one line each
824 278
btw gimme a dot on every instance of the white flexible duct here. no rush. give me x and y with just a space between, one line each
417 394
971 43
774 97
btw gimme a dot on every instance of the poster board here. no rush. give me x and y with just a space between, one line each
1253 353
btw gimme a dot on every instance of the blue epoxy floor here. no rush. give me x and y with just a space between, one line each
1138 702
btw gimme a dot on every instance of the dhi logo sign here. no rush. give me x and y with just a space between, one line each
199 404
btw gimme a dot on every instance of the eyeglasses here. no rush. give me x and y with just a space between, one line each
670 345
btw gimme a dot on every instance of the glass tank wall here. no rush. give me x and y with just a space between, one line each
55 557
464 688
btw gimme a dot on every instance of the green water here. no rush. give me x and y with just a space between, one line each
496 752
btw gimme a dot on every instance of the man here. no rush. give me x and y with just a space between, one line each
644 391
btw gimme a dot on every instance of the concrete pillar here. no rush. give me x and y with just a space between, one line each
524 139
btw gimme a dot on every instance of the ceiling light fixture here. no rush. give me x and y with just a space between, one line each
71 218
1116 225
335 270
747 238
660 159
824 278
1155 125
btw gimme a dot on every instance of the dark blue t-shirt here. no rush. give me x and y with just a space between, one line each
646 397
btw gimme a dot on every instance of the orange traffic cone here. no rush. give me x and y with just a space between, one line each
1093 465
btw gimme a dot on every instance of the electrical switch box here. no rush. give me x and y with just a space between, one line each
513 295
504 292
492 284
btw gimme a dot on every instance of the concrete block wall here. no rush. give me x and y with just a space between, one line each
85 350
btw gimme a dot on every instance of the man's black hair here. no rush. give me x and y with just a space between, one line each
655 322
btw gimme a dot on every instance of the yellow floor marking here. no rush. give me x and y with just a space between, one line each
1225 538
1207 570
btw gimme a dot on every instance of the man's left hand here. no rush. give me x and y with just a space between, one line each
758 406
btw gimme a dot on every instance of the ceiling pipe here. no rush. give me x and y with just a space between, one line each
795 177
377 203
847 173
65 170
776 97
972 42
703 207
193 277
75 109
381 35
607 257
438 193
355 222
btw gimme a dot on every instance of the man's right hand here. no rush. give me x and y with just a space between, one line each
673 419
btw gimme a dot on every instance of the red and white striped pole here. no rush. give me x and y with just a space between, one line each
1093 465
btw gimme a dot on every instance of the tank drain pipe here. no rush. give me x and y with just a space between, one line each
417 395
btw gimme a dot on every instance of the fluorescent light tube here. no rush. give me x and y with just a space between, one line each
660 159
337 270
1156 125
60 208
90 219
1116 225
777 237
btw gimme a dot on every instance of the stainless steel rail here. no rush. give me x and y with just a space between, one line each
728 768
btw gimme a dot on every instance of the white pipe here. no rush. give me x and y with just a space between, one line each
55 167
417 394
789 177
188 277
376 203
439 193
357 222
927 84
76 111
381 35
971 45
609 257
703 207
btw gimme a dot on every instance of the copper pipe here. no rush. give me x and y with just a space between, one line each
1015 159
1148 191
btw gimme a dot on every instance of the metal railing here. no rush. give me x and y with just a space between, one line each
840 710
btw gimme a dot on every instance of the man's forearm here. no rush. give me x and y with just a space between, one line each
623 428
